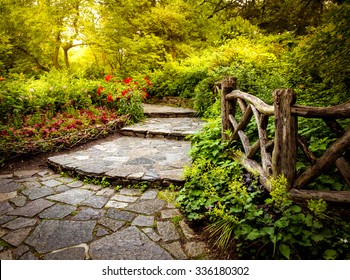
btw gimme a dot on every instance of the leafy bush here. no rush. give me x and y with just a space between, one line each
36 115
259 67
244 220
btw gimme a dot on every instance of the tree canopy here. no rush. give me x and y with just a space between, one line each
141 35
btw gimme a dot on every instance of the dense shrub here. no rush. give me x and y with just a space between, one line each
39 114
245 221
259 67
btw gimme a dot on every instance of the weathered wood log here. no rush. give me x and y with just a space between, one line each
339 111
262 125
328 158
227 107
260 105
243 123
234 122
245 141
253 149
285 149
334 126
344 168
304 147
341 163
242 105
332 196
256 146
254 168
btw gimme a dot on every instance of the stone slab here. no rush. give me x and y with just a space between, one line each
73 197
20 223
151 234
89 214
51 235
112 224
36 193
169 213
147 207
143 221
8 185
16 237
130 191
124 198
127 244
7 196
165 111
176 250
32 208
57 211
143 159
95 201
195 249
166 127
75 253
167 231
5 207
52 183
120 215
150 194
19 201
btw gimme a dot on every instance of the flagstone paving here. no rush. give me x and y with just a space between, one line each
129 159
44 215
156 111
152 151
80 222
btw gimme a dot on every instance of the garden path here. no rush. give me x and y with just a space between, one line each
44 215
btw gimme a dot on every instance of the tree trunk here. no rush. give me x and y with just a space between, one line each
56 53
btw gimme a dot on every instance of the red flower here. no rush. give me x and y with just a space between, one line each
125 91
99 90
109 98
108 78
127 81
147 81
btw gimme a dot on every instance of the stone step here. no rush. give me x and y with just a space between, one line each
129 160
170 128
160 111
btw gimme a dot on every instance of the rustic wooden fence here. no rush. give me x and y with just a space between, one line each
279 155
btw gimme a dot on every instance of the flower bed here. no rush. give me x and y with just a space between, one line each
62 131
59 111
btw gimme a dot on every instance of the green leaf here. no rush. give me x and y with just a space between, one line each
317 237
330 254
245 229
268 230
254 234
295 208
236 209
285 250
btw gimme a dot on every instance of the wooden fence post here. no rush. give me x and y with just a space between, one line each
227 107
285 143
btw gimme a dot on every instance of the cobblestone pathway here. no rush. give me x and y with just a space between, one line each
44 215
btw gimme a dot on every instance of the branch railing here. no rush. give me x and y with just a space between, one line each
279 154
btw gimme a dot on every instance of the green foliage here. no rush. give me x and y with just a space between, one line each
279 195
244 220
258 63
59 91
59 110
103 182
321 71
